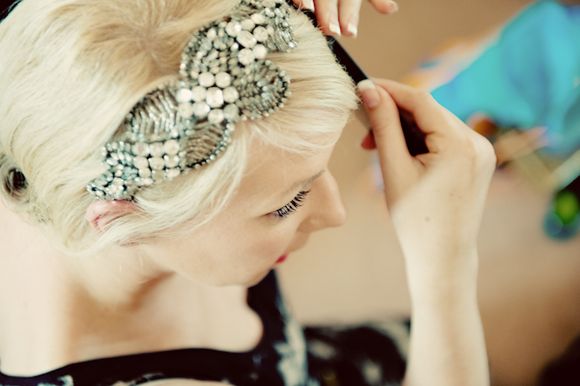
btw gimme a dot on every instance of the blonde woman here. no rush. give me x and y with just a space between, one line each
158 160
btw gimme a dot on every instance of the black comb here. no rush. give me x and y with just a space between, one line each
414 136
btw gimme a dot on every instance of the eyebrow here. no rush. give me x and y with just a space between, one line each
304 182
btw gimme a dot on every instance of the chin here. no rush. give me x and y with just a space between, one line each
248 280
257 279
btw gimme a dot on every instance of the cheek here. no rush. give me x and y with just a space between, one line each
268 246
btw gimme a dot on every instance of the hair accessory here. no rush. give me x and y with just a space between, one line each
224 78
6 7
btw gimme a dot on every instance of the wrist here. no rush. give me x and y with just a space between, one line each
450 280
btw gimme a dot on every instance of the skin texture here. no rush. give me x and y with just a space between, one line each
436 202
341 17
97 306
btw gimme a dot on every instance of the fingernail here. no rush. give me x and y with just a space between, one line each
368 142
334 28
393 7
308 4
368 93
352 29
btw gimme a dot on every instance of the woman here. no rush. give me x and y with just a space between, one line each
152 180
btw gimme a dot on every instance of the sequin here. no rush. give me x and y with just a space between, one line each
187 124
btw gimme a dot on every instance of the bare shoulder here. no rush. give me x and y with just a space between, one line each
184 382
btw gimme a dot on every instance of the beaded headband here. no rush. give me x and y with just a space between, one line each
224 78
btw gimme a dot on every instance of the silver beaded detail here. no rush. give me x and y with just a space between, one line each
224 77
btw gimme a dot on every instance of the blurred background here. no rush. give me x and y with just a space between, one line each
529 273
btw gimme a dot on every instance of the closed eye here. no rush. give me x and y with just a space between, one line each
292 206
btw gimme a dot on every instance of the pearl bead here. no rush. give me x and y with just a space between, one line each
260 51
198 93
246 39
184 95
206 79
216 116
201 109
215 97
261 34
185 110
141 163
246 56
223 79
171 147
231 94
156 149
233 28
156 163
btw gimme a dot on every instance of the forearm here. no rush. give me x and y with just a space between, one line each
447 342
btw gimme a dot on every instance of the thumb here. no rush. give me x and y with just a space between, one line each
385 122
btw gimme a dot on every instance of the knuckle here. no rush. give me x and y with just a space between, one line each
423 96
483 151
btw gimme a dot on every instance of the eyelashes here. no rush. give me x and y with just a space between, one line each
292 206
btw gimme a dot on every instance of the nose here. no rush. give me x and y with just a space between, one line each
327 209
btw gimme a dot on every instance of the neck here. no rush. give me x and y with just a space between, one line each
58 310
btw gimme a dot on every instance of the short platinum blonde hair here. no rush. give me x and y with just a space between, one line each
71 70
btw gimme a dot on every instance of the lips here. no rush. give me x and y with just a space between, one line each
281 259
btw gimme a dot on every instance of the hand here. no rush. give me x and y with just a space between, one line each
436 200
337 17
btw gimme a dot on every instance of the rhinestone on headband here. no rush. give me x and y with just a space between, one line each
224 78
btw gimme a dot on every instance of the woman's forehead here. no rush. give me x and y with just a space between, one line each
272 171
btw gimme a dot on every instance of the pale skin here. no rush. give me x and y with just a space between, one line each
341 17
96 307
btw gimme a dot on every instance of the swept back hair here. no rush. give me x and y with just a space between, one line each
72 69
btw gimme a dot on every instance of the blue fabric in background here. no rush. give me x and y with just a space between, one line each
528 77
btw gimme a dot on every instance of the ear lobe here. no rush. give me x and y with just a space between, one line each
101 213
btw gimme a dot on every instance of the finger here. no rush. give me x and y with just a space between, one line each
384 118
305 4
385 6
327 16
368 142
349 11
431 117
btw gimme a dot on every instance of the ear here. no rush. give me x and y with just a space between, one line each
101 213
